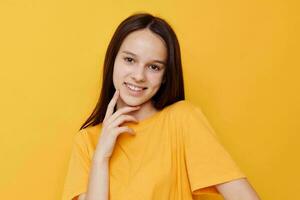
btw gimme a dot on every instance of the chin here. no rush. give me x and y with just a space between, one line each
132 101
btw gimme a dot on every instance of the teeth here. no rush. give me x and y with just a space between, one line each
133 87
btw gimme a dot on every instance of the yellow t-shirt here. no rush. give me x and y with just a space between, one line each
175 155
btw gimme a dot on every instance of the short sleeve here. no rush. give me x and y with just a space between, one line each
76 179
207 161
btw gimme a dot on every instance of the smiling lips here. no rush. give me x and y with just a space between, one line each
134 87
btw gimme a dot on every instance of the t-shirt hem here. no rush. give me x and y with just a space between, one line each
208 196
218 180
69 195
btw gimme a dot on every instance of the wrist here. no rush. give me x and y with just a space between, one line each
100 159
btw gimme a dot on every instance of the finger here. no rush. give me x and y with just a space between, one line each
111 105
124 129
121 119
122 111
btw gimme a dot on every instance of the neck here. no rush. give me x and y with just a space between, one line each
146 110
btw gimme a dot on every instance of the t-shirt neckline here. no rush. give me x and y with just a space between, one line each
145 122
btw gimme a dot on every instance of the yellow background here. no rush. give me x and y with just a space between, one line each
240 61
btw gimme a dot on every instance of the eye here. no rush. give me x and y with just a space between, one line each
128 59
154 67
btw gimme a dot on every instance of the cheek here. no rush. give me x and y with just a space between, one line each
120 67
116 76
156 80
119 74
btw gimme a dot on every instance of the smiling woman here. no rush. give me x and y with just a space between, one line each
139 69
144 140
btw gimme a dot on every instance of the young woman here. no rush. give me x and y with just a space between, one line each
144 141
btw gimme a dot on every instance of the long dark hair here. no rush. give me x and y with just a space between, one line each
171 91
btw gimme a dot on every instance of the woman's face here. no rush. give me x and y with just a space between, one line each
139 67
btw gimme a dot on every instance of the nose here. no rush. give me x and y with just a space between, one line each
138 74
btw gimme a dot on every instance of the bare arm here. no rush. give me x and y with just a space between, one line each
239 189
81 197
98 186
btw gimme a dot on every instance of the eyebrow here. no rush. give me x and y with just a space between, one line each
158 61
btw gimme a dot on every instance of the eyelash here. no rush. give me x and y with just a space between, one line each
127 58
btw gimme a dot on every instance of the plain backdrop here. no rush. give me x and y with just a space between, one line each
240 62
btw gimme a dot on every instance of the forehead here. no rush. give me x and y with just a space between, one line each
145 44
